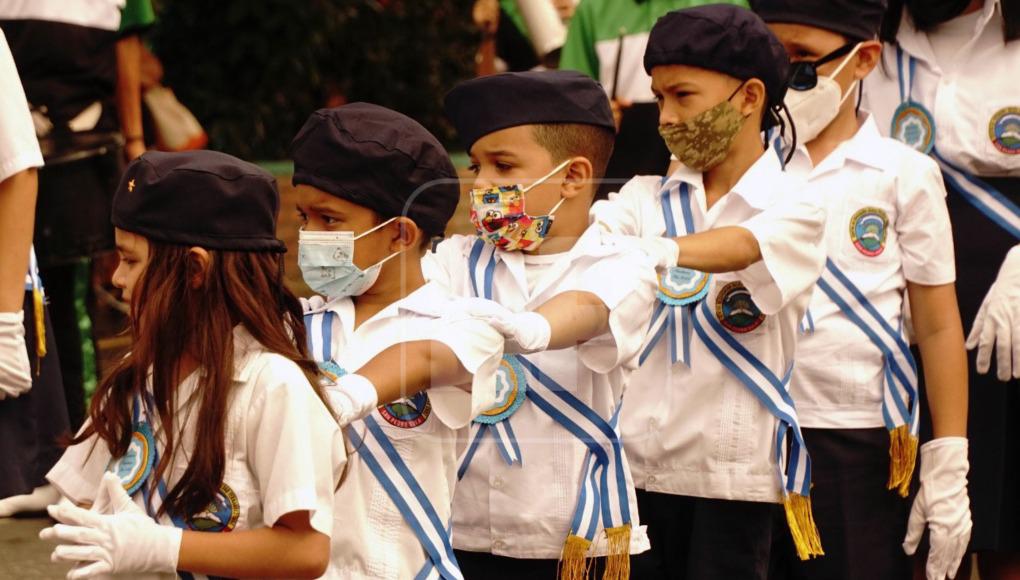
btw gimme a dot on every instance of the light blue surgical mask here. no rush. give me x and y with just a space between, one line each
327 265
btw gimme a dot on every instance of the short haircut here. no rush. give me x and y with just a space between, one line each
565 140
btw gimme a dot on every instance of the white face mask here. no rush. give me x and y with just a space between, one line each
326 260
814 109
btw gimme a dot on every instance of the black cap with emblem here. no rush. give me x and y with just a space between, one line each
199 198
488 104
379 159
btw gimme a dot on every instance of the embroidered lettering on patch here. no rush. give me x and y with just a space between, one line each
407 413
736 310
1004 130
511 390
869 228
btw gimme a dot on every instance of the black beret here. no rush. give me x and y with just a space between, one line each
379 159
857 19
722 38
488 104
199 198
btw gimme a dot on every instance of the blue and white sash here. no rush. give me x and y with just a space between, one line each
670 319
988 200
389 469
603 492
900 401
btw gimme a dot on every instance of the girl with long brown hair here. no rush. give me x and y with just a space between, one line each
214 421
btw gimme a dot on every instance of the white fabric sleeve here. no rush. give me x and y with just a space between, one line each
449 256
922 224
19 148
621 212
626 284
296 450
789 235
77 473
479 348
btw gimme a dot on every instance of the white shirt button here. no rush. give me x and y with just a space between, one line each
651 479
498 545
653 423
497 482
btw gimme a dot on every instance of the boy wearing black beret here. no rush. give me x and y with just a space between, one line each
712 434
544 481
856 382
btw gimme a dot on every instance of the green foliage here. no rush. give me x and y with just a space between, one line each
252 70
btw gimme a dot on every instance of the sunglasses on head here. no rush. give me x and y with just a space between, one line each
804 74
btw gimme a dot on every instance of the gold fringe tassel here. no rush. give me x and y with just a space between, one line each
40 329
574 561
902 457
618 555
802 526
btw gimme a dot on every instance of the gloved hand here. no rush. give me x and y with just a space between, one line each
121 543
664 251
15 371
943 505
352 397
309 304
525 332
998 322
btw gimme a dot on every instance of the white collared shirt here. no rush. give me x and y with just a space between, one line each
19 148
699 431
371 538
972 96
887 224
524 511
284 451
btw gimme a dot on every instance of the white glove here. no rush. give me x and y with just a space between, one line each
121 543
998 320
665 251
352 397
943 505
309 304
525 332
15 371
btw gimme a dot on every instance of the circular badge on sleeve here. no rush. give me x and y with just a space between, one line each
511 390
136 465
682 286
407 413
1004 130
914 126
869 228
736 310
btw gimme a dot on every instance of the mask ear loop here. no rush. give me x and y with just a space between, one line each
546 177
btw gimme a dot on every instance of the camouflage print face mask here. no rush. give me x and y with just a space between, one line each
703 141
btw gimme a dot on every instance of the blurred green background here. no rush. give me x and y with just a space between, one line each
252 71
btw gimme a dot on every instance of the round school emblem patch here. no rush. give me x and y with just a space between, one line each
407 413
511 390
914 126
736 310
219 516
134 467
682 286
868 230
1004 130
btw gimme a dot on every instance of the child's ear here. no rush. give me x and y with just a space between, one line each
754 97
578 176
868 56
406 235
198 264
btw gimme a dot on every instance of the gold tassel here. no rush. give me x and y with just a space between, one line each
574 561
805 534
618 553
40 328
902 457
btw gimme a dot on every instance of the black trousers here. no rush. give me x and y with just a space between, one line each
704 539
485 566
861 523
